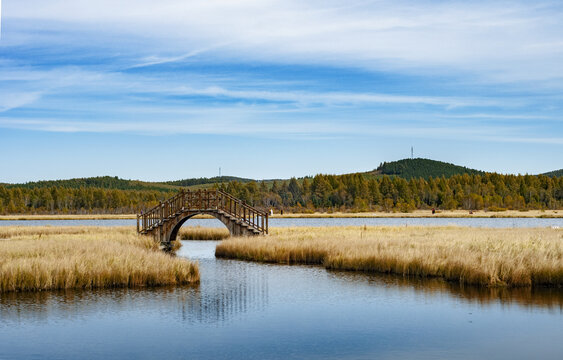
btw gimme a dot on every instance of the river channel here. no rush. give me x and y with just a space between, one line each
244 310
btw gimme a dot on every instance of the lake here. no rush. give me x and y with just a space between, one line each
244 310
281 222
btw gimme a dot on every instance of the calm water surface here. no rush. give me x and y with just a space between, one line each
277 222
244 310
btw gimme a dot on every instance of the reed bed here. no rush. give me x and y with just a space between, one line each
488 257
49 258
201 233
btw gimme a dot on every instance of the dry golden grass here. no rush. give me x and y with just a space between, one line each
491 257
201 233
45 258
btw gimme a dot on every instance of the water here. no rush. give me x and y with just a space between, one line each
285 222
244 310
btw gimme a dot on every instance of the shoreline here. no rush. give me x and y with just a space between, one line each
454 214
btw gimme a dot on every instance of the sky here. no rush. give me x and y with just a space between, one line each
170 89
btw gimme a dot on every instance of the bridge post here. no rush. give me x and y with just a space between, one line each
137 223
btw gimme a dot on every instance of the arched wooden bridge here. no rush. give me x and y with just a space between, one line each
164 220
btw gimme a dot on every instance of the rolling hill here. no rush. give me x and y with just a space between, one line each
421 168
100 182
555 173
207 181
405 168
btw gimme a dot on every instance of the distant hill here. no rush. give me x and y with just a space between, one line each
556 173
207 181
421 168
406 168
103 182
113 182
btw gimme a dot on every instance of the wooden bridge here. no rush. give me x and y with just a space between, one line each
164 220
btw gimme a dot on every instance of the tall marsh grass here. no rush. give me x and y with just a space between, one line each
490 257
46 258
201 233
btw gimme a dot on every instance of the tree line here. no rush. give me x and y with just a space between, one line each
352 192
356 192
62 200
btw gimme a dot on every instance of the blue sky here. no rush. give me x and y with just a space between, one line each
163 90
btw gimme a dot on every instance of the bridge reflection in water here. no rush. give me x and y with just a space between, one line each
226 297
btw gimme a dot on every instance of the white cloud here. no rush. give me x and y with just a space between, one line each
238 122
158 60
501 41
73 81
504 41
11 100
482 41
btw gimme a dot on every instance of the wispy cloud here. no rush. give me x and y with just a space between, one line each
10 100
334 98
509 41
73 81
238 122
159 60
112 102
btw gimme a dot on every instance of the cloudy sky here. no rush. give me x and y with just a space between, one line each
170 89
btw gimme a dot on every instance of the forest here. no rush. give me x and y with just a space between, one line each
352 192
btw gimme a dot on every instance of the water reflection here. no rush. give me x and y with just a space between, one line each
223 296
237 290
548 298
75 304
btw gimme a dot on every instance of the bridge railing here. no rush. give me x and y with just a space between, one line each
249 215
202 200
